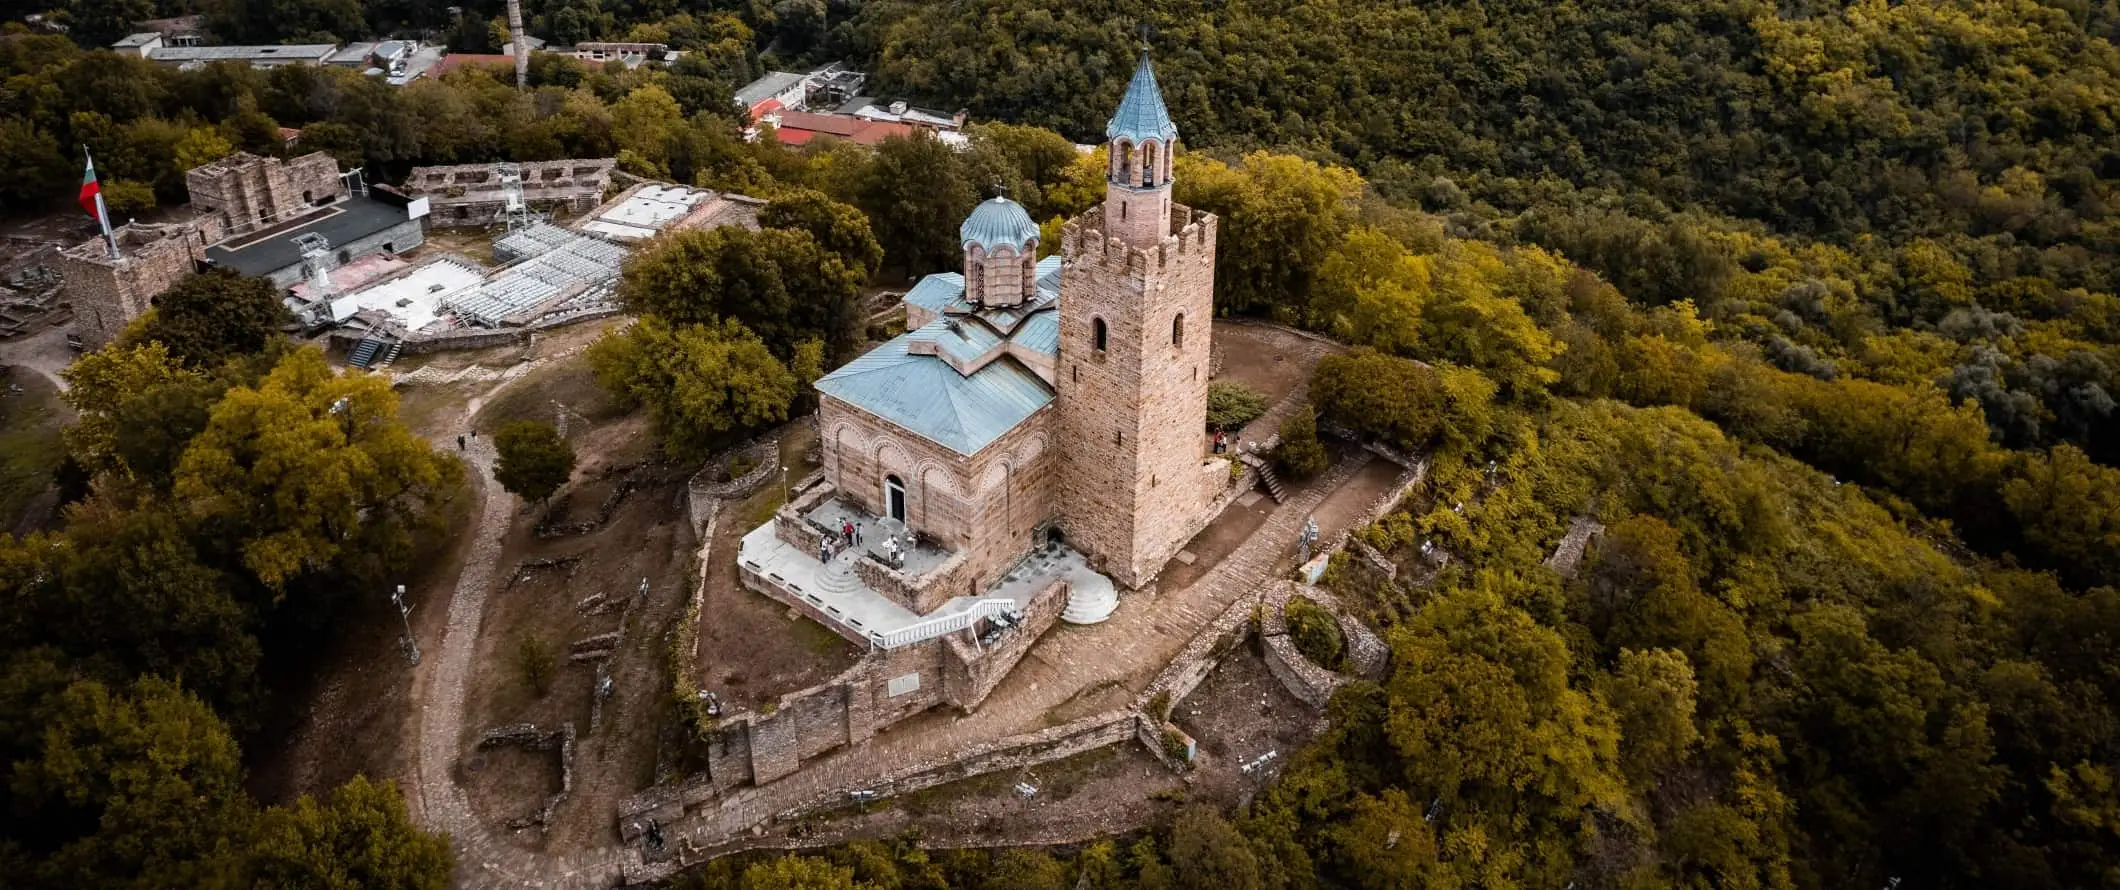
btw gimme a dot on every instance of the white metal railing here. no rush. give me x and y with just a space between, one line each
931 628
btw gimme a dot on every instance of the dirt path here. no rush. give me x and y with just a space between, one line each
436 800
44 352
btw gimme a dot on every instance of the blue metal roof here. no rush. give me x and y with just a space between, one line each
1049 277
926 396
998 223
1040 332
1142 114
937 292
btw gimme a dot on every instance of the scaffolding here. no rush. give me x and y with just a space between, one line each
551 265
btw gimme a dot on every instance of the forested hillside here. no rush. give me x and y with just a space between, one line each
1810 304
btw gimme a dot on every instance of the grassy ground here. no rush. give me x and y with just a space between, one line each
570 382
30 423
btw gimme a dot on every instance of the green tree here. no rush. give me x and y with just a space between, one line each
1281 217
310 471
124 593
799 873
534 460
359 837
35 156
102 383
836 227
141 788
1653 694
1034 159
1394 399
780 284
916 194
1300 454
705 385
213 316
2069 508
1206 852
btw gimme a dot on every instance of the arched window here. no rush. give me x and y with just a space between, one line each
1097 334
1177 331
1149 167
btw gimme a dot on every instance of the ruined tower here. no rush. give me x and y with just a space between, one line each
1136 311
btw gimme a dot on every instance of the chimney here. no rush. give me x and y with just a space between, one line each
522 46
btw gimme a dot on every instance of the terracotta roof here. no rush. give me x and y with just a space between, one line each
799 127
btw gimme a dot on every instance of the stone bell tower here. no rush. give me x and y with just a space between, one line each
1136 312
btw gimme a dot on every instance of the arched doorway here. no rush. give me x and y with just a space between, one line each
894 498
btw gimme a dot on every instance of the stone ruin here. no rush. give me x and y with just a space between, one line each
474 195
530 738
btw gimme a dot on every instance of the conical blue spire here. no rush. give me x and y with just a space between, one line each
1141 114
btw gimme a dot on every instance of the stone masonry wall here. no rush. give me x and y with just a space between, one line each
247 192
1133 416
108 294
971 673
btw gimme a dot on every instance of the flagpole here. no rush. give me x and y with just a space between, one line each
102 212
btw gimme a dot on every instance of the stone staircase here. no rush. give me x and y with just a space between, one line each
1272 482
1089 601
839 578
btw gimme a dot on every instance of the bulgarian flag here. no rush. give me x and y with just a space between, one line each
92 201
91 190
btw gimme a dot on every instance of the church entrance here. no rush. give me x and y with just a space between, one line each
894 498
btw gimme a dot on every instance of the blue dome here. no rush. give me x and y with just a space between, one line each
998 223
1141 114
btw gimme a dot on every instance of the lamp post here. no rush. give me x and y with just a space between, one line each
410 646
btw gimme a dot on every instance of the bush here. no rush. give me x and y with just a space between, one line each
1300 455
1315 632
534 658
1232 405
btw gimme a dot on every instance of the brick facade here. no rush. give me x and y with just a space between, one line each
246 192
1133 415
985 506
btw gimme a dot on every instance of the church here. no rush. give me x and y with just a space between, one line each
1036 442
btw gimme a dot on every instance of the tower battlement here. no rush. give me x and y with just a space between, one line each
1192 236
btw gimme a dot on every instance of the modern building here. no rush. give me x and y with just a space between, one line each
1038 432
163 49
350 228
643 211
802 128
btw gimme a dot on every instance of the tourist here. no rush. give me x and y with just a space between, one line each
459 443
846 532
1221 441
